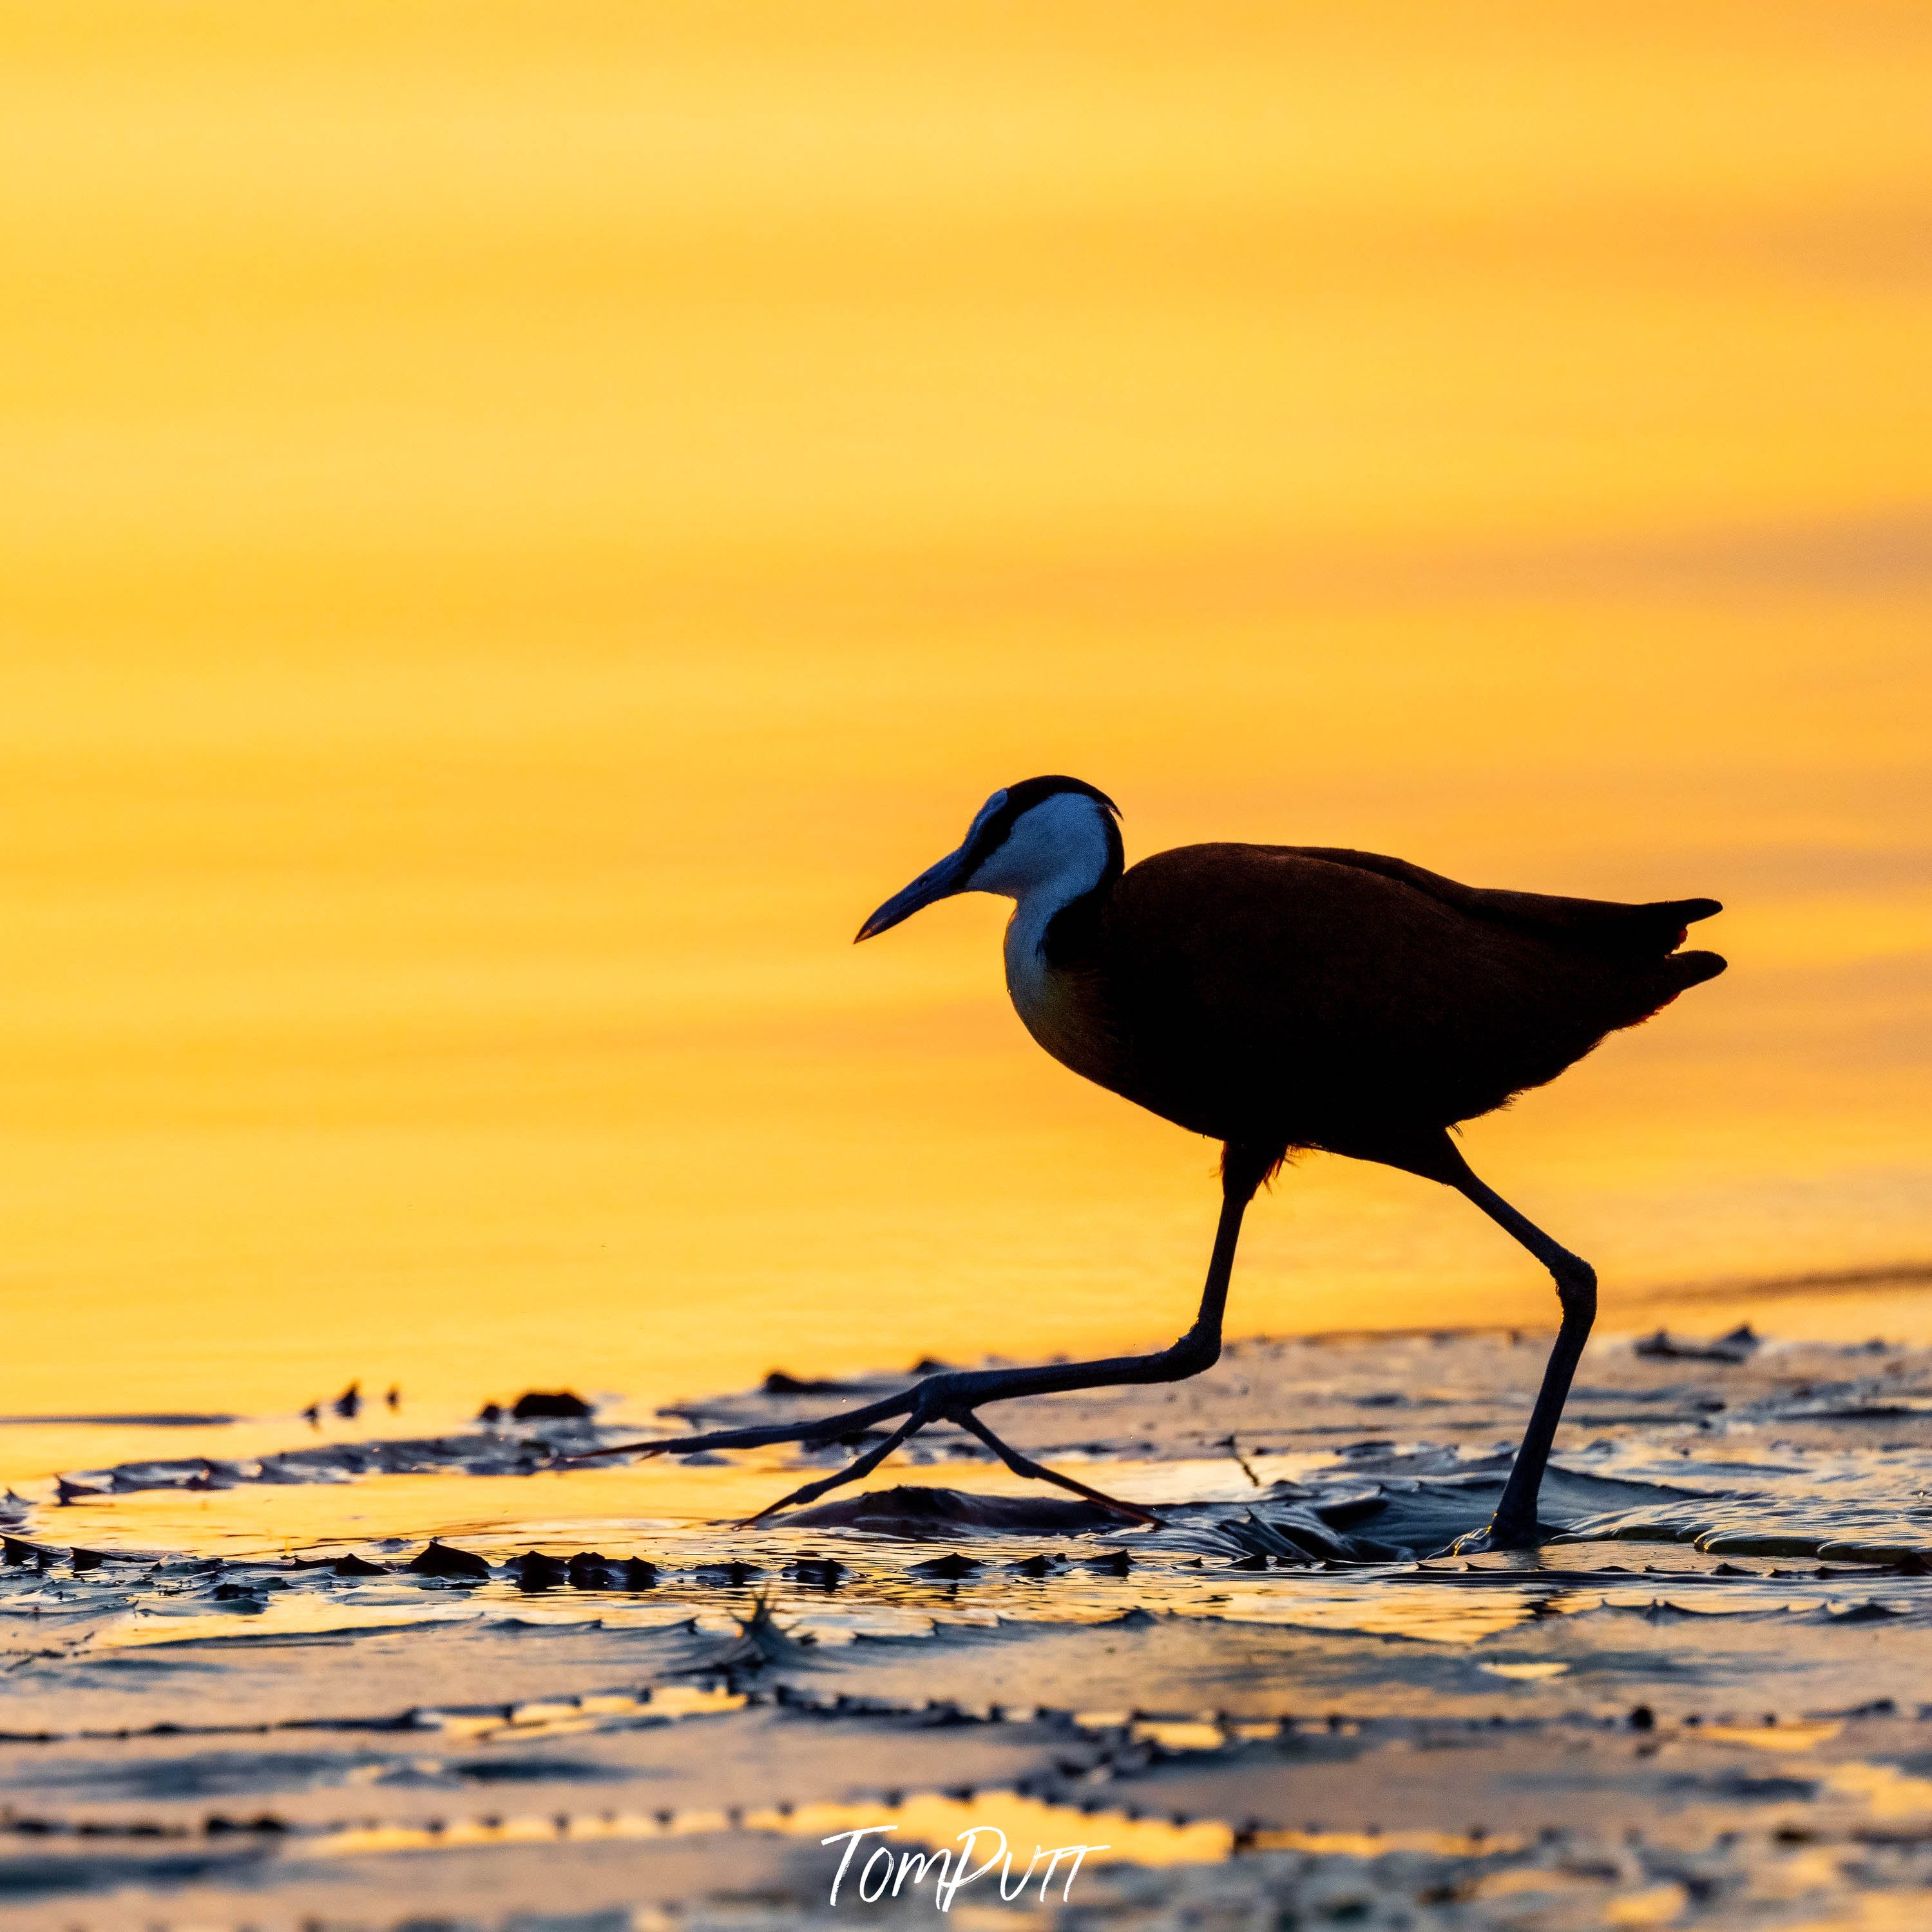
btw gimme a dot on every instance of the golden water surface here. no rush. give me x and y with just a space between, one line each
520 524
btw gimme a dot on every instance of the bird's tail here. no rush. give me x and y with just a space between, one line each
1663 926
1676 974
1692 969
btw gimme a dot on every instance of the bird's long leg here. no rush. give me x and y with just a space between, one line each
1024 1465
955 1394
1514 1525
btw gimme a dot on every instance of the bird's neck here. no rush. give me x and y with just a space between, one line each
1053 935
1057 864
1053 923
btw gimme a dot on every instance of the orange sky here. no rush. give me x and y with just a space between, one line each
520 525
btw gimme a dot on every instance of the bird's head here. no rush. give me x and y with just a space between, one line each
1047 834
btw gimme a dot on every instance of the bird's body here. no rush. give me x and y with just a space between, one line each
1278 998
1290 997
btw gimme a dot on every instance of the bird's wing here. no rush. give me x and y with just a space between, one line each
1364 986
1607 926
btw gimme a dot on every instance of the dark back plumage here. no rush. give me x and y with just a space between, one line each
1307 997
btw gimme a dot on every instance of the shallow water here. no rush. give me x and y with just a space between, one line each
1709 1700
516 538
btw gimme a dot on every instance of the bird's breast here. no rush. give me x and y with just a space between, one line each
1065 1009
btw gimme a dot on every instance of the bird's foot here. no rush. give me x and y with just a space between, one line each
951 1396
1024 1465
1498 1534
1021 1465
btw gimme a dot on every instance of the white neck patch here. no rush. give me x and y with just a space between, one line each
1055 853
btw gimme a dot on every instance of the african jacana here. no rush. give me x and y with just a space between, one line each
1277 998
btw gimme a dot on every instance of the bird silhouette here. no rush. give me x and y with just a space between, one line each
1279 998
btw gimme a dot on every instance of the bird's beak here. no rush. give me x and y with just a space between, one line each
938 882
